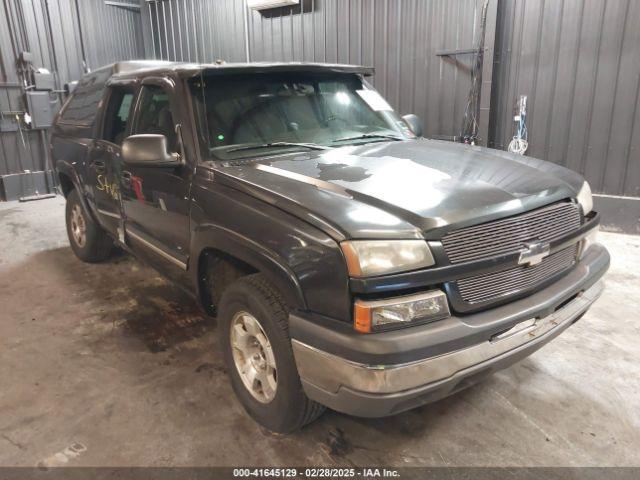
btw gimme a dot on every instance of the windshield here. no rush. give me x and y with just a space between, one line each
255 114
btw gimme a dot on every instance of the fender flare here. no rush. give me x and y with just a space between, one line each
65 168
266 261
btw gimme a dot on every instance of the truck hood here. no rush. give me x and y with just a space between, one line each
408 189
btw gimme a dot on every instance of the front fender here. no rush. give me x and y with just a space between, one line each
302 261
274 268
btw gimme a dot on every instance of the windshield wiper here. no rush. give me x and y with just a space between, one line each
369 135
311 146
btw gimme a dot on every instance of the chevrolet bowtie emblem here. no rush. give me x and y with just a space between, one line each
533 253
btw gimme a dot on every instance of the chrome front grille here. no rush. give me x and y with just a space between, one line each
501 237
492 286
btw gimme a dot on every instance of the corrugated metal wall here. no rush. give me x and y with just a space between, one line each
55 32
579 63
398 38
577 60
110 33
195 30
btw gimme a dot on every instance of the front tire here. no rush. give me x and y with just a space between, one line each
88 240
255 342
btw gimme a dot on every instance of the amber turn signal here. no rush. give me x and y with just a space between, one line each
361 317
378 315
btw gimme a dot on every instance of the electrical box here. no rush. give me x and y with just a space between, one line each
40 108
44 81
266 4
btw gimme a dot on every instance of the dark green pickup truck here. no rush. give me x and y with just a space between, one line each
350 262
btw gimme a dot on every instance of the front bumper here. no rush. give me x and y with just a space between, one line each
372 376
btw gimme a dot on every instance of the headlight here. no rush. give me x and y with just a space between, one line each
367 258
376 315
585 199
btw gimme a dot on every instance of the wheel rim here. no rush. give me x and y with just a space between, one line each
253 357
78 226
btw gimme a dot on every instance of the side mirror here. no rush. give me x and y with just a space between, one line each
414 123
149 150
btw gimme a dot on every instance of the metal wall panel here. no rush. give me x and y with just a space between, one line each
22 150
579 63
577 60
110 33
56 32
195 30
398 37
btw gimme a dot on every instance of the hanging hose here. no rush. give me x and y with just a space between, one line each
469 130
519 143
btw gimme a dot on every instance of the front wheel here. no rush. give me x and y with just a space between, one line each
255 341
88 240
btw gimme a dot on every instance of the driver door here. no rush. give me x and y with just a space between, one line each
156 199
104 156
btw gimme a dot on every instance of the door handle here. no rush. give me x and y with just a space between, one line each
99 166
126 177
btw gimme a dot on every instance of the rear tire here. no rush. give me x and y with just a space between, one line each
254 338
88 240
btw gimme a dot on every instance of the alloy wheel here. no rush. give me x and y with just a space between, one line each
253 357
78 226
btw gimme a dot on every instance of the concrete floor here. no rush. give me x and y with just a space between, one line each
109 365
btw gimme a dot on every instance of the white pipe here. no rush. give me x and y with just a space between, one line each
246 32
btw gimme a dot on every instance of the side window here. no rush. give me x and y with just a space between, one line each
155 115
82 107
117 114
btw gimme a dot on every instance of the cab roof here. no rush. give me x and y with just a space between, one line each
135 68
